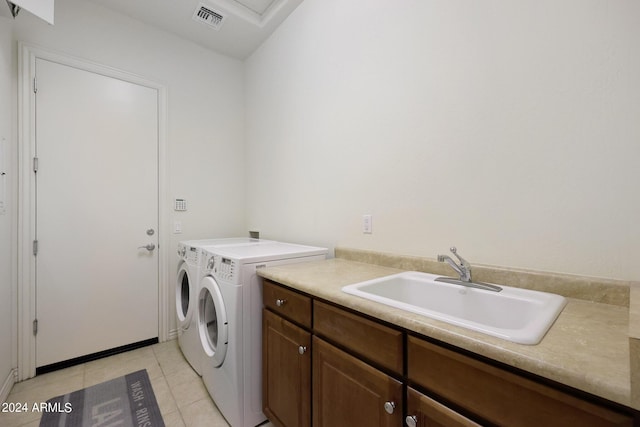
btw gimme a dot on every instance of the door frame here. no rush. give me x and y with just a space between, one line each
25 299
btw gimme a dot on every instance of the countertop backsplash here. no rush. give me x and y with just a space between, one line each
606 291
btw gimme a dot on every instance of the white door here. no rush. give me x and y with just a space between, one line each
96 205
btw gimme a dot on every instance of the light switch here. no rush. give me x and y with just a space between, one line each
367 224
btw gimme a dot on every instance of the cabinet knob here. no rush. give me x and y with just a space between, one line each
411 420
389 407
280 302
302 349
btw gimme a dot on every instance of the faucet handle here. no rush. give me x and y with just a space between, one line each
465 274
454 251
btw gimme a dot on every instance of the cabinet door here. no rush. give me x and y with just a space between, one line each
286 372
348 392
423 411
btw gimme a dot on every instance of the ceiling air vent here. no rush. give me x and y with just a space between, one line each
208 16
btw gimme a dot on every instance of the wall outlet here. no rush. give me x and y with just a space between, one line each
177 227
367 224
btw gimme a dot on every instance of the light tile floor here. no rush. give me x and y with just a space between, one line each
181 395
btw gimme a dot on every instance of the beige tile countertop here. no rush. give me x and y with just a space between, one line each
586 348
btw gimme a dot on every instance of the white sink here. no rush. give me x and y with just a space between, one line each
518 315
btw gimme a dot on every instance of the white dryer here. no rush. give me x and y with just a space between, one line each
187 288
230 323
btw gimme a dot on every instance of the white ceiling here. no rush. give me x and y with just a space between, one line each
247 22
246 25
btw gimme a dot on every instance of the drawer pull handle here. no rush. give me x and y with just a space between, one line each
280 302
411 420
389 407
302 349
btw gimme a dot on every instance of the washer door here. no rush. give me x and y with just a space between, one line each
184 297
212 321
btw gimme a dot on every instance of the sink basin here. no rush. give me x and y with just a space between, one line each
518 315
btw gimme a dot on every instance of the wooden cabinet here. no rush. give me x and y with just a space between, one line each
346 391
349 392
498 396
286 357
325 366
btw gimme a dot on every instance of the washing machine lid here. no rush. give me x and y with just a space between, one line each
269 251
185 296
213 325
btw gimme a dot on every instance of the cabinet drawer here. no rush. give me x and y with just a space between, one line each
371 340
287 303
501 397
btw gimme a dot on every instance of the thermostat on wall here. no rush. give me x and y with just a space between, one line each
180 205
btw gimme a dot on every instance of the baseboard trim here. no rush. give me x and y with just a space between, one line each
173 334
95 356
8 385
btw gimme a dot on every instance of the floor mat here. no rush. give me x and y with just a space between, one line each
127 401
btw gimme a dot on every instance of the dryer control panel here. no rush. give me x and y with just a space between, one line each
226 268
223 268
193 255
189 253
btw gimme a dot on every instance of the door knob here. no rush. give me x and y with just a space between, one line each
150 247
302 349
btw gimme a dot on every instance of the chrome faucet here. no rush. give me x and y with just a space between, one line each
464 269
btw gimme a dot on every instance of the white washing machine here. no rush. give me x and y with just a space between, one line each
187 288
230 324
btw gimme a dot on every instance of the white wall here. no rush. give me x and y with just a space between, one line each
7 270
205 109
509 129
